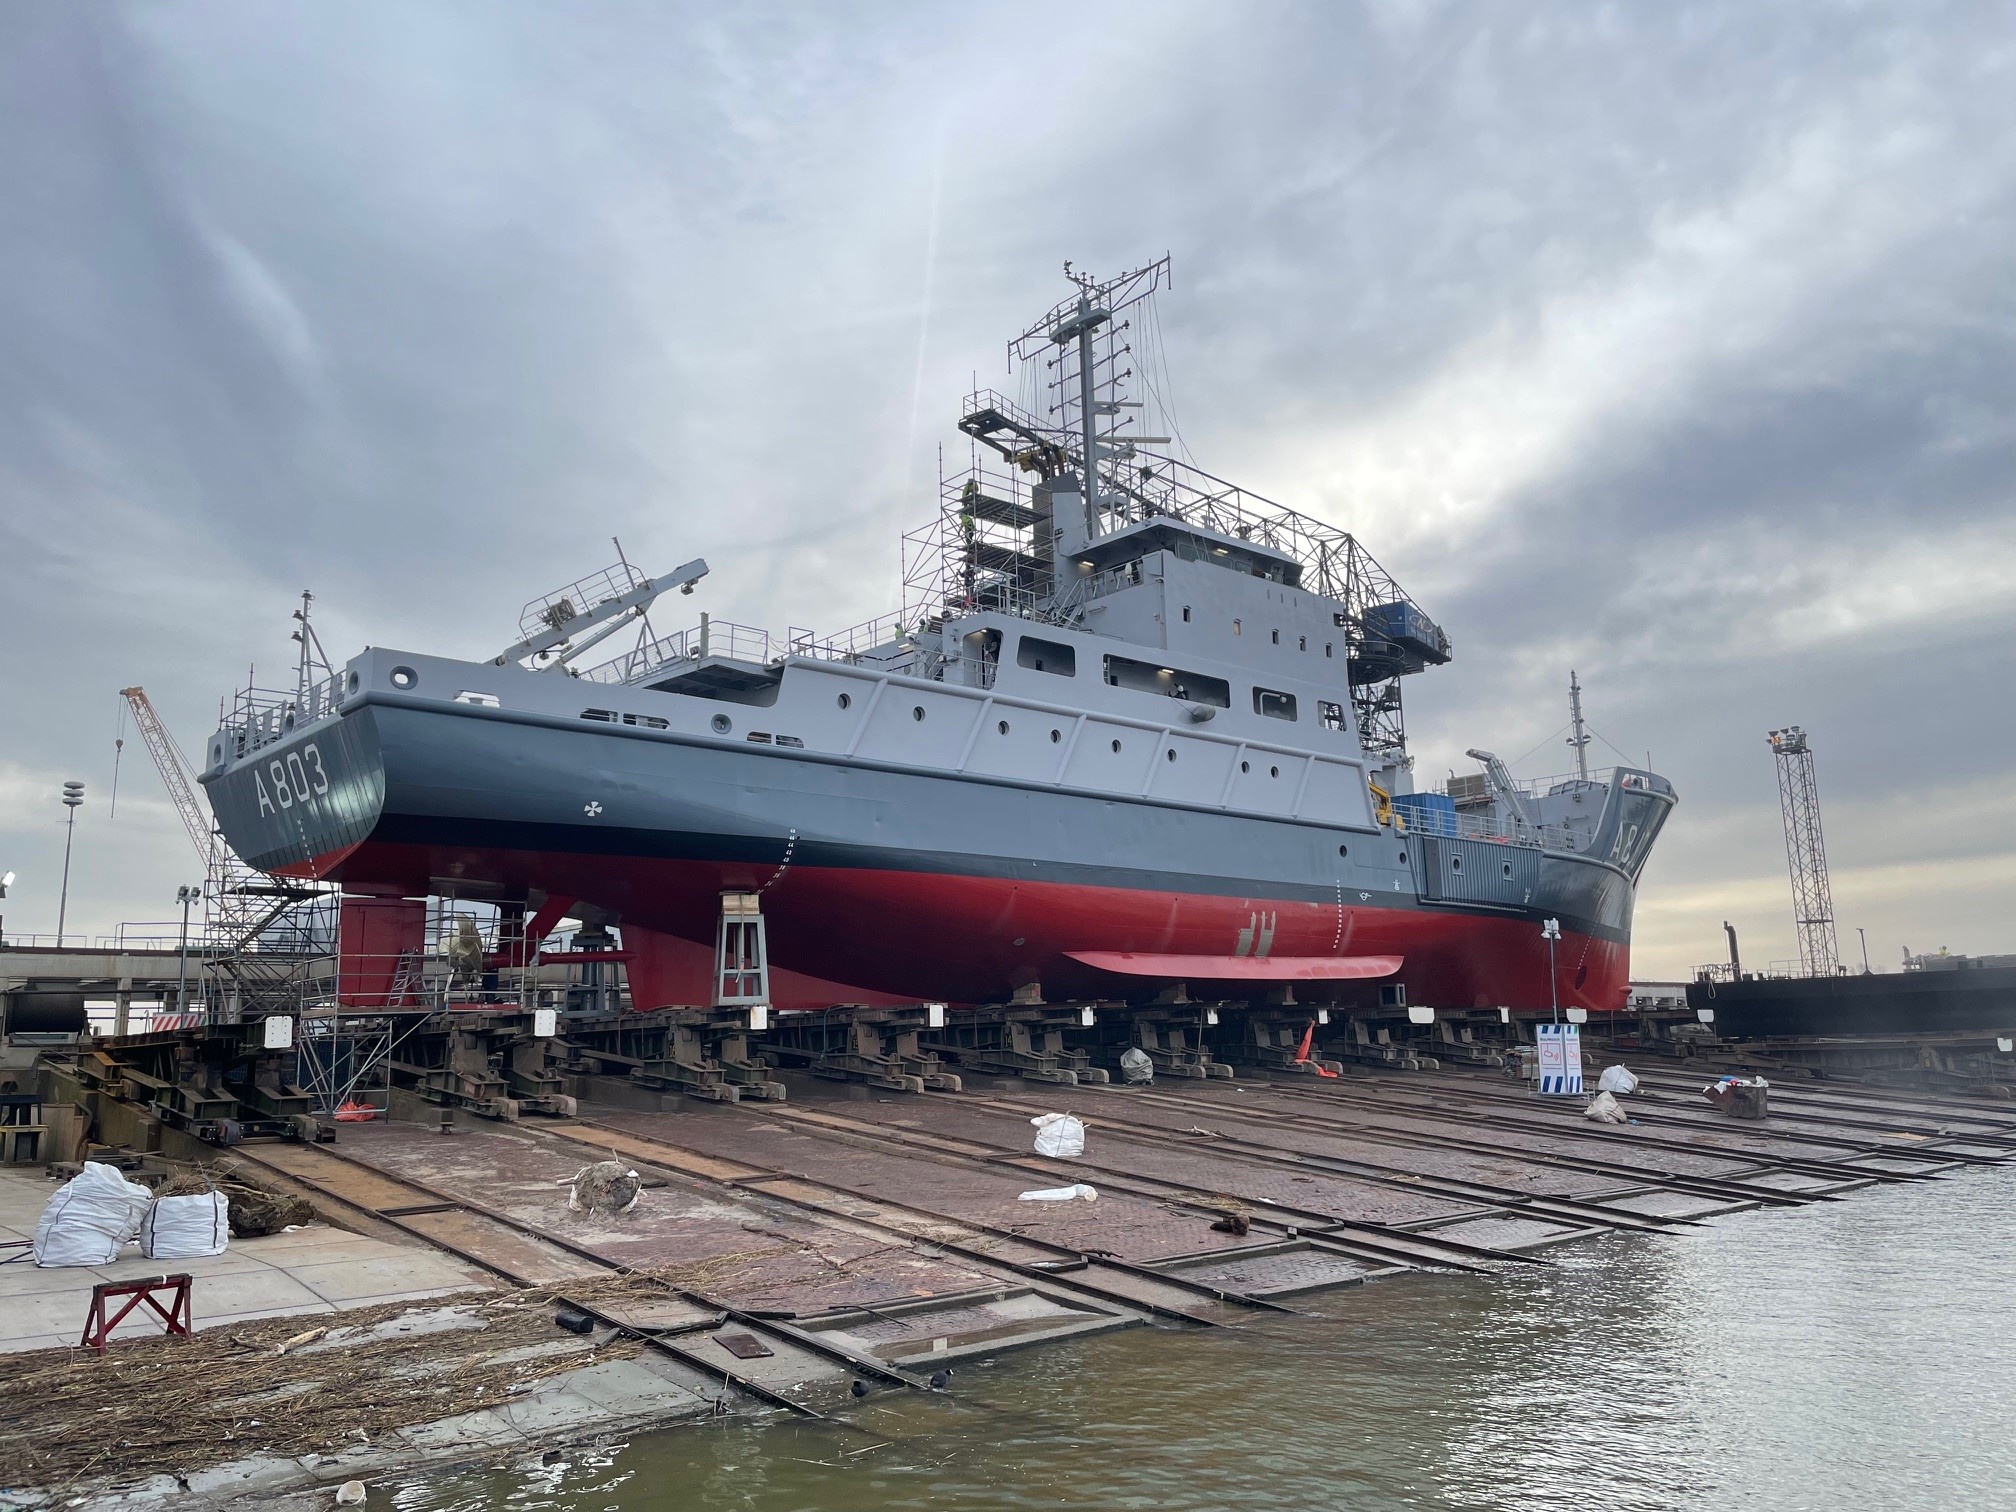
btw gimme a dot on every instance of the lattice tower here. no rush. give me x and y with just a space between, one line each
1806 853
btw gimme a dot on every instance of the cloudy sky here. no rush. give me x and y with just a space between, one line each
1673 343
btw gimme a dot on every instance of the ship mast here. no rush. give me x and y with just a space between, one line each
1580 739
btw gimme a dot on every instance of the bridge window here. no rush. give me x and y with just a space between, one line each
1331 715
1046 656
1272 704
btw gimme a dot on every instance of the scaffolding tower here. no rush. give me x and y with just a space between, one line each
1806 853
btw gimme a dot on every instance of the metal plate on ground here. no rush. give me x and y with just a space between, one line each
744 1346
1276 1270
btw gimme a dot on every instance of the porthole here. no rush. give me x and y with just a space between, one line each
1116 747
1273 771
1170 753
1245 766
1508 870
917 713
1055 736
846 701
1455 863
403 677
722 724
1002 727
1403 858
350 683
1343 850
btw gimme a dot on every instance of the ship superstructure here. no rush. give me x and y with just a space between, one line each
1133 728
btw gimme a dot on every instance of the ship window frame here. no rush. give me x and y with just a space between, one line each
1031 651
1277 637
1186 614
1166 682
1272 703
845 701
1003 727
1331 715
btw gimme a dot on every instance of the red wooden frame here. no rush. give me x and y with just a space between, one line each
98 1326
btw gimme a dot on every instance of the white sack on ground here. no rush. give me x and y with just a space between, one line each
1605 1108
1617 1079
1059 1135
1061 1194
1136 1065
90 1218
182 1228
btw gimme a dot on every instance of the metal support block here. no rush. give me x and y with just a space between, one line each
1025 1042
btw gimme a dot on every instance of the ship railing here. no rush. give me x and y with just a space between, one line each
552 611
852 643
261 716
705 641
1469 826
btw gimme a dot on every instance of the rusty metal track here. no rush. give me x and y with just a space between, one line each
1720 1189
442 1201
759 1179
1384 1243
1408 1102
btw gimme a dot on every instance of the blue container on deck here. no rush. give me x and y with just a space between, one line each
1427 813
1409 629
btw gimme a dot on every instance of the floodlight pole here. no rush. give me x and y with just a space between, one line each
184 895
73 795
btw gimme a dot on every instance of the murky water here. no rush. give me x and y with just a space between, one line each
1847 1355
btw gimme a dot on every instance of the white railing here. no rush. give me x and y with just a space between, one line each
852 643
263 716
1459 825
715 638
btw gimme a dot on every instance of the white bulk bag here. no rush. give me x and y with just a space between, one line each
1605 1108
181 1228
1059 1136
90 1218
1617 1079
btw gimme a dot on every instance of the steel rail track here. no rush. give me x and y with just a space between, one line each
1483 1201
1635 1176
442 1200
1992 1129
1408 1099
758 1179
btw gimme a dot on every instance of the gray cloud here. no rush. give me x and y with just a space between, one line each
1671 343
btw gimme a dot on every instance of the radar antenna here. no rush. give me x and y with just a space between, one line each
1806 853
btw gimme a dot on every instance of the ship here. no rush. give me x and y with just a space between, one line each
1935 994
1134 731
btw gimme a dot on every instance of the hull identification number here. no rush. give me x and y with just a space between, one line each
296 778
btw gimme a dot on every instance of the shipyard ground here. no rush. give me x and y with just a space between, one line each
783 1251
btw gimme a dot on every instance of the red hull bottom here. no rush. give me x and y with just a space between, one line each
911 936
